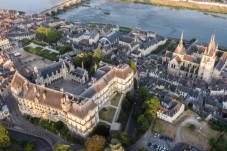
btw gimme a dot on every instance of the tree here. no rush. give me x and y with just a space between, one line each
25 41
102 130
212 141
48 34
144 93
4 137
53 36
30 146
64 49
97 55
129 96
115 145
143 123
133 65
62 147
192 127
151 107
143 149
124 138
95 143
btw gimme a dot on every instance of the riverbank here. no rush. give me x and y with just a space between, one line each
66 8
182 5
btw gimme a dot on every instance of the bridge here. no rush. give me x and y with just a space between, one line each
60 6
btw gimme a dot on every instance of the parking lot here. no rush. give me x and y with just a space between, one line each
29 61
158 142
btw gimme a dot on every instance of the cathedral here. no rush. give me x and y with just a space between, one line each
198 61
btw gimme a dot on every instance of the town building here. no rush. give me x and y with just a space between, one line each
170 109
150 45
110 39
4 111
21 35
60 70
4 44
78 111
92 37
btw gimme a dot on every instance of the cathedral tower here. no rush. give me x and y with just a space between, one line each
208 60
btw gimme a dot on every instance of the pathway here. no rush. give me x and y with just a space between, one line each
189 120
19 123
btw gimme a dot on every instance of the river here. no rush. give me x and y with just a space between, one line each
163 20
29 6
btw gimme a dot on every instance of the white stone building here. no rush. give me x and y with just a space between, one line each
92 37
170 109
4 44
78 112
20 36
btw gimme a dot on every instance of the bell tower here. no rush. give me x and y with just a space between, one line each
208 60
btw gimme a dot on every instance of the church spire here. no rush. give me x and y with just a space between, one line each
182 36
95 67
180 47
82 64
211 49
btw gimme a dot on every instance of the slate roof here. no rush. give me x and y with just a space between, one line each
88 93
126 39
51 98
93 33
99 74
78 35
79 72
113 36
43 72
149 43
184 89
136 52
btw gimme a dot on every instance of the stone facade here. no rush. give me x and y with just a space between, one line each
170 109
4 44
60 70
202 64
78 112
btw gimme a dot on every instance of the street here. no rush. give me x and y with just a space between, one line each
19 123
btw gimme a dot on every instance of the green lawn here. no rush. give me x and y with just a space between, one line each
107 114
221 145
116 99
44 53
39 48
40 43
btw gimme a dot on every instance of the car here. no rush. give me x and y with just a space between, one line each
155 146
149 144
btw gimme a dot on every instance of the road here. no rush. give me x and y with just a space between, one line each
131 123
19 123
41 144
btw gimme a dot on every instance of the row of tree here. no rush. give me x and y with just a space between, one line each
4 137
94 143
146 109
